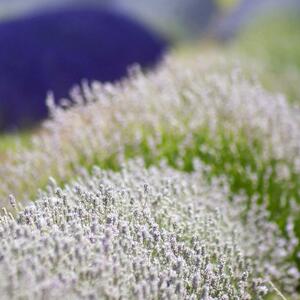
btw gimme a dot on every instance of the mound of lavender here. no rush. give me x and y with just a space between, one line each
182 100
141 234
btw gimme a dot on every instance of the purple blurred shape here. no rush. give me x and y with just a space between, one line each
54 50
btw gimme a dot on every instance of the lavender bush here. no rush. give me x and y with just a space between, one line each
141 234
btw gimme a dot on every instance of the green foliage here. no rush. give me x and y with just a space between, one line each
10 142
273 44
226 4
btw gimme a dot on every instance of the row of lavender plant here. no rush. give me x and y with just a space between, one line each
142 234
181 98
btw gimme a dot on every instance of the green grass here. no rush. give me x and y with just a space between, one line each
11 142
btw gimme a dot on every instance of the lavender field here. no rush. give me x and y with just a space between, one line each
182 183
179 181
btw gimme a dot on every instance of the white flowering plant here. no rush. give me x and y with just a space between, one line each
142 234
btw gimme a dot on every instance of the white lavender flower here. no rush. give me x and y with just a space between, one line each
141 234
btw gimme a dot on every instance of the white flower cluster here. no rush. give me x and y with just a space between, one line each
182 98
141 233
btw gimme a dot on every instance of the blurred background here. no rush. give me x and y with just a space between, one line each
50 45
